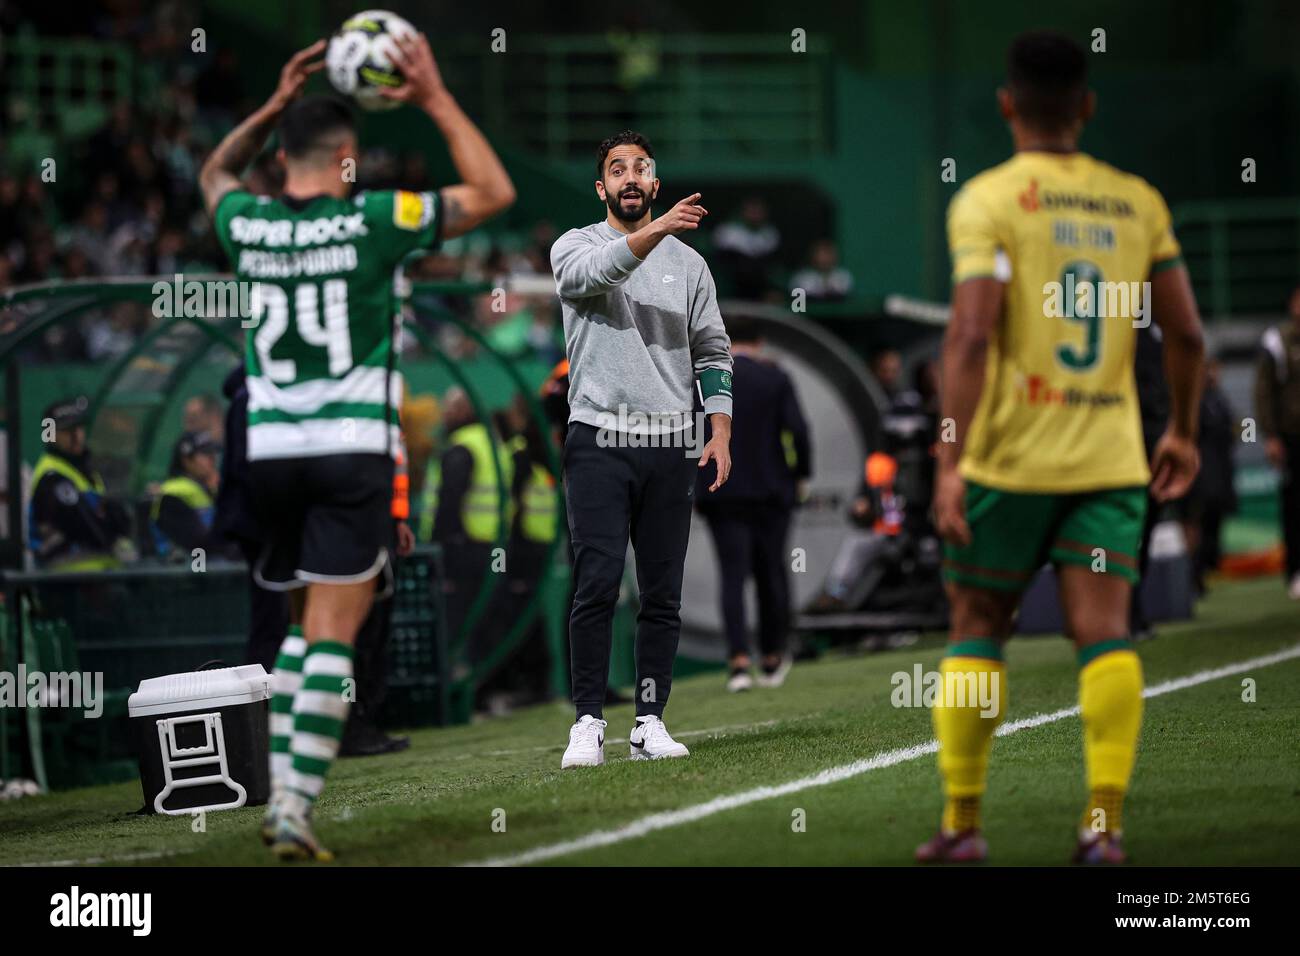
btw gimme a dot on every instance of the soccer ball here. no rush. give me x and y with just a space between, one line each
359 58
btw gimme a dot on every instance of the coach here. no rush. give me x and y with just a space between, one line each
641 326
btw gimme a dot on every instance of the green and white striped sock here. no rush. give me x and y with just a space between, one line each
320 709
286 678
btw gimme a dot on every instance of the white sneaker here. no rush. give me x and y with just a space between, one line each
777 677
740 680
1293 589
586 744
650 740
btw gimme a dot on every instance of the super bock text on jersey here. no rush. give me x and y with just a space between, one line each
320 349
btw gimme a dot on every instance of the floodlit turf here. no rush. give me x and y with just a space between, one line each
1218 779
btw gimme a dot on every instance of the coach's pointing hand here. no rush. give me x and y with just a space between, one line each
683 217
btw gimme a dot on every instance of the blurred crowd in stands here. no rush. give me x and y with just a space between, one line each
124 202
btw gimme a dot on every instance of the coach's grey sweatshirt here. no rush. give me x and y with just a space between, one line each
639 332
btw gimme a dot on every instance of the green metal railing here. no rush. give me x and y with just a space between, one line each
1243 254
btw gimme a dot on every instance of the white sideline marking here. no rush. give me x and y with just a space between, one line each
889 758
96 860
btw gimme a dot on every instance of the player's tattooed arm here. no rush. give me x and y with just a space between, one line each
453 214
485 188
222 170
221 173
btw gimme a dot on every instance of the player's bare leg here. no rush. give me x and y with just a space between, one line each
969 708
980 612
1110 702
331 619
337 610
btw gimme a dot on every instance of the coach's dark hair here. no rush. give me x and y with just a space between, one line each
1047 74
310 121
626 138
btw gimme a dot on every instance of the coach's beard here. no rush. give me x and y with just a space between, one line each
625 213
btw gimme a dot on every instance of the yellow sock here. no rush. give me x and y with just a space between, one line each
960 814
969 707
1104 813
1110 702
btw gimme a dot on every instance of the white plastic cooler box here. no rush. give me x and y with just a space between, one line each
202 739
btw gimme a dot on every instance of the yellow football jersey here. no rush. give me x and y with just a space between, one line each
1075 241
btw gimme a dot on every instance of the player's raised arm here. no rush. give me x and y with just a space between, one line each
485 188
1176 460
976 307
224 166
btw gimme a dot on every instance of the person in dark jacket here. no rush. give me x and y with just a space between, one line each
1153 400
1277 409
72 523
749 516
236 521
1213 496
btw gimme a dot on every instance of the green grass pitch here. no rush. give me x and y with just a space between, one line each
1217 780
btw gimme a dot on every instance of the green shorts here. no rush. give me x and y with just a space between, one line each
1014 534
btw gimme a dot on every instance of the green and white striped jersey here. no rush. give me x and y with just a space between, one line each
320 353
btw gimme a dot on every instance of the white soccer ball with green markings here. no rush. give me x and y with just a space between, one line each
359 60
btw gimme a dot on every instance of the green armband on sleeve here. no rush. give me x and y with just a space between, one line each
715 381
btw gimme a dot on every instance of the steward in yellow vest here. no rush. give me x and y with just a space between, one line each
537 516
462 492
181 517
72 525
